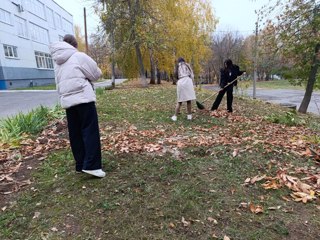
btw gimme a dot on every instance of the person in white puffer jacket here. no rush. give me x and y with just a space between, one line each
74 72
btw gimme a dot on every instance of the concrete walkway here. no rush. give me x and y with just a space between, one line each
13 102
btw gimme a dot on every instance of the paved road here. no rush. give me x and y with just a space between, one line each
14 101
281 96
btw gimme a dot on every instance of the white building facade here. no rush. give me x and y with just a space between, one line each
27 27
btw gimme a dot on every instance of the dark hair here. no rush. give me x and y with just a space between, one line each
68 38
228 63
180 59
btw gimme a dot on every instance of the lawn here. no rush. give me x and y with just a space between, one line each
278 84
253 174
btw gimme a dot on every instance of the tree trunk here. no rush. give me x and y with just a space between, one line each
311 80
134 12
158 76
141 66
113 78
152 70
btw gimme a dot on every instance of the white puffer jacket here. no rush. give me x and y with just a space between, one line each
74 72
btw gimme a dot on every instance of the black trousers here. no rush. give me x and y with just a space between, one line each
84 136
229 91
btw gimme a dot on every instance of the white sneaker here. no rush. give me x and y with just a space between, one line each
189 117
97 173
174 118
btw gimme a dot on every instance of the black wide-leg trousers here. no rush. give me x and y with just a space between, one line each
229 91
84 136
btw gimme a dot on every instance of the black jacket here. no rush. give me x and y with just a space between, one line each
228 75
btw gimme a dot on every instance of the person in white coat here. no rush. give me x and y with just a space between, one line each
74 72
185 89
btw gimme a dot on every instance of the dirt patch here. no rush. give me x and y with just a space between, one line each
16 181
17 164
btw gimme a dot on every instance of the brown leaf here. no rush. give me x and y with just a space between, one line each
171 225
235 152
271 185
307 153
257 179
256 208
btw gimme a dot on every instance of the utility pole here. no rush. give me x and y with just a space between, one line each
85 29
113 82
255 61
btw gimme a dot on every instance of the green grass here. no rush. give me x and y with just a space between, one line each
48 87
146 195
278 84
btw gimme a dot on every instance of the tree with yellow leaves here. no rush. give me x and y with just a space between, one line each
148 33
80 38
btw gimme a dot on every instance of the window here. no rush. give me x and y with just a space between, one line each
21 26
39 34
43 60
36 8
50 17
10 51
57 20
5 16
67 26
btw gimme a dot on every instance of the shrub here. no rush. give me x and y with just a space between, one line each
14 129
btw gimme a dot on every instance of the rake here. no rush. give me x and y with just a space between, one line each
200 104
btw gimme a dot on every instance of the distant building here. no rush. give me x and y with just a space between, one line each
27 27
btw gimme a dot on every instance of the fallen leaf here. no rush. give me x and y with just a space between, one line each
271 185
171 225
36 215
226 237
212 220
185 223
243 205
257 179
307 153
255 208
285 198
235 152
247 180
302 197
274 208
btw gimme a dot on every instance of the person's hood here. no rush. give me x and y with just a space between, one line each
61 52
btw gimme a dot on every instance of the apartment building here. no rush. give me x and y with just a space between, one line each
27 27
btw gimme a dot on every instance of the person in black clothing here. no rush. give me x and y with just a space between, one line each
227 74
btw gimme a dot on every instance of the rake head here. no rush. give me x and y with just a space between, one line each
200 105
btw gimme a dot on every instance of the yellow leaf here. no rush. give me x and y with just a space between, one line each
171 225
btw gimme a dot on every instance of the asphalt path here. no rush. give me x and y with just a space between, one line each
13 102
280 96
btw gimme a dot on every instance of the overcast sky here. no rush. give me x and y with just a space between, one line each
233 15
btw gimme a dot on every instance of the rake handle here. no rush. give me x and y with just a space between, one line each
220 90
